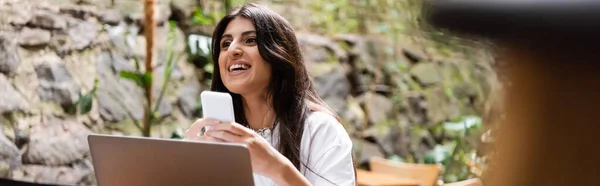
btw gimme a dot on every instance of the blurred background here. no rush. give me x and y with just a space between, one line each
68 68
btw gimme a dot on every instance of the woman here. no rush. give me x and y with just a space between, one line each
258 62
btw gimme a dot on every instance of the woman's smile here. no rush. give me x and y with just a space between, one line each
238 68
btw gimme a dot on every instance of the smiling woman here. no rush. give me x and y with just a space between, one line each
293 137
237 59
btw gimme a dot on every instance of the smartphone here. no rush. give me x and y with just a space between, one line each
217 105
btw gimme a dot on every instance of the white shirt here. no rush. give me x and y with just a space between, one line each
325 148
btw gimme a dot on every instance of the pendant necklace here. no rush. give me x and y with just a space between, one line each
264 132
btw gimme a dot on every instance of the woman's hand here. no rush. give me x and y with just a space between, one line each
265 159
193 133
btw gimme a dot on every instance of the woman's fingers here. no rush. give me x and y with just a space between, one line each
223 132
224 135
234 128
203 138
196 128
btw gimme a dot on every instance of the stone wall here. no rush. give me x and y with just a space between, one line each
52 52
50 55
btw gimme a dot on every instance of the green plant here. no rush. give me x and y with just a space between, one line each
85 102
457 153
201 17
144 80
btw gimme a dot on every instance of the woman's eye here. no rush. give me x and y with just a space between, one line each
225 44
251 40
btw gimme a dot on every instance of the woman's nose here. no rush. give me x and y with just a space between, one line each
236 51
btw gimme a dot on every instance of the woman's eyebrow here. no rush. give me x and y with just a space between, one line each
248 32
243 34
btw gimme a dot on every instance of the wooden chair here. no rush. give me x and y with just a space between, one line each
425 174
469 182
368 178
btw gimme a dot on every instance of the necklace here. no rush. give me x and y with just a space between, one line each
264 132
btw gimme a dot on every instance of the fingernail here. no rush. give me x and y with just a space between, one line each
215 122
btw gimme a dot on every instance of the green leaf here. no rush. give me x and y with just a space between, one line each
72 109
176 135
209 68
464 124
172 25
217 15
202 19
154 116
439 154
198 105
133 76
96 81
86 102
147 79
396 158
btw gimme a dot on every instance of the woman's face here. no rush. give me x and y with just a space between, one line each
242 68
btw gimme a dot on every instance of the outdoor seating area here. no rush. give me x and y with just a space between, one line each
387 173
299 92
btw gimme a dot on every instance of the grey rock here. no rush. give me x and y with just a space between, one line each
85 168
163 11
431 107
56 84
119 63
61 44
122 37
354 115
111 88
188 97
417 108
427 73
10 99
79 11
63 175
366 150
184 8
414 56
82 34
334 88
57 142
364 55
440 106
21 137
34 37
9 58
111 17
391 139
47 20
14 15
365 51
377 107
118 98
319 49
9 156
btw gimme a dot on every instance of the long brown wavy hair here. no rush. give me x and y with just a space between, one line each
290 90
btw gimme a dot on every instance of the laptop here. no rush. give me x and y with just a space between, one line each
138 161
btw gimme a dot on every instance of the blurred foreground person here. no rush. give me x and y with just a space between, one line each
551 51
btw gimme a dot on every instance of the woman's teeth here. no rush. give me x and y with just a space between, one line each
238 67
